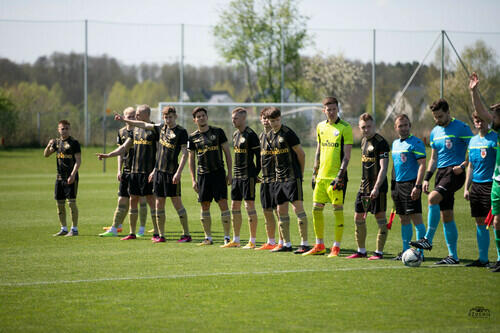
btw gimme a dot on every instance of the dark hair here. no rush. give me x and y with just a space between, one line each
495 107
402 116
330 100
273 113
264 111
366 117
199 109
168 109
64 122
440 105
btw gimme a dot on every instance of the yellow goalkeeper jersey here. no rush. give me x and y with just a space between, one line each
332 138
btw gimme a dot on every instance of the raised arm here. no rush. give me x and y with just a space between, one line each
49 150
301 156
476 99
118 151
136 123
229 162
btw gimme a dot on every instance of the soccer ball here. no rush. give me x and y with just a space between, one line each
411 258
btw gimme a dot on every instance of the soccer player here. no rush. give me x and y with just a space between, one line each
372 194
167 173
207 144
333 152
492 117
481 156
289 166
408 157
449 140
246 148
123 176
144 144
267 183
68 156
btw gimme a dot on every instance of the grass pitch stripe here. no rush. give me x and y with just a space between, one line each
182 276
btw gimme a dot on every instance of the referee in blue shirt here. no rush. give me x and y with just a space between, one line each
449 140
408 157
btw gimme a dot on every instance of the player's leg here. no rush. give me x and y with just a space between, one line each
496 225
61 208
381 218
433 217
252 223
298 209
406 233
151 202
284 226
70 191
320 197
450 236
480 203
206 222
237 221
143 215
419 226
495 210
225 217
159 218
359 226
337 198
183 218
268 208
133 215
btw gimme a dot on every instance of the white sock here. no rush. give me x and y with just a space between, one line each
288 244
305 243
361 250
236 239
271 241
281 242
74 229
319 241
252 240
113 230
64 228
336 244
209 238
141 229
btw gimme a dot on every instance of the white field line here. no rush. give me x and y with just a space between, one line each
184 276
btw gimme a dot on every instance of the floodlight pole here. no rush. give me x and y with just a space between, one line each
373 75
441 91
181 76
85 92
282 70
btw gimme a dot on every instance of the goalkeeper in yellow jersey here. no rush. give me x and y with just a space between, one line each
329 182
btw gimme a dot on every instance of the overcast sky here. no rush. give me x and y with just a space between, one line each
153 32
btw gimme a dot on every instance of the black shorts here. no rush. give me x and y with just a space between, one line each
139 185
288 191
163 185
212 186
124 184
363 203
447 183
401 196
267 199
243 189
480 199
63 190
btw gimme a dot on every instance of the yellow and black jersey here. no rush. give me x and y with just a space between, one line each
144 155
171 140
372 151
246 146
123 135
65 156
267 158
286 162
208 149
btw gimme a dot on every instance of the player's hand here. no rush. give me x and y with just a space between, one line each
374 194
258 179
150 177
177 178
195 186
101 156
71 179
229 179
457 170
118 117
338 183
473 81
51 144
425 186
313 182
415 194
119 176
466 195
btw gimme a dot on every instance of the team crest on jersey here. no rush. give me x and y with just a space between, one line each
403 158
242 141
336 133
171 136
66 145
370 148
483 153
212 137
281 140
448 143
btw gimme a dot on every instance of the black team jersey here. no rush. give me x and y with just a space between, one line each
144 155
267 158
246 145
208 149
123 135
372 151
287 164
171 140
65 156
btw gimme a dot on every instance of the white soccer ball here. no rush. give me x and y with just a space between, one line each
411 258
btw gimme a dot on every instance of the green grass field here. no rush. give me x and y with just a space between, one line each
87 283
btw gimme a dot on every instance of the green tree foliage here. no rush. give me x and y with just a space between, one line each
8 118
251 35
